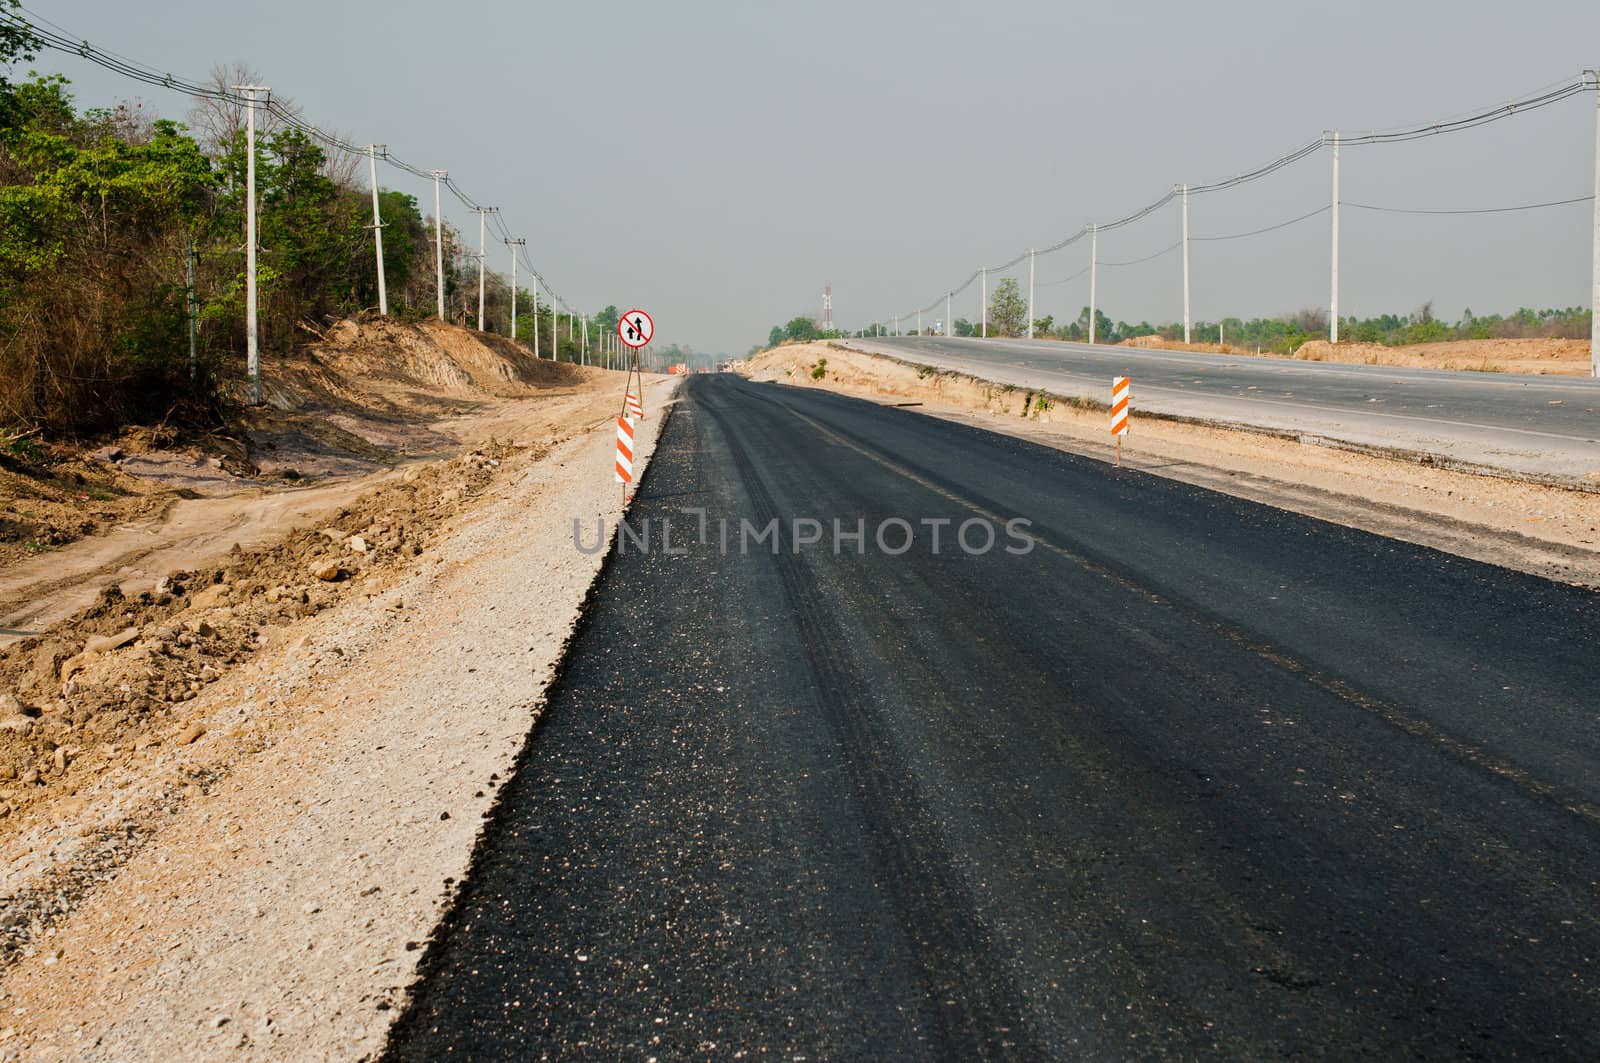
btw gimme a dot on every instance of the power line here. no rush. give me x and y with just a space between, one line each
1271 228
1477 210
1536 100
1135 261
1065 280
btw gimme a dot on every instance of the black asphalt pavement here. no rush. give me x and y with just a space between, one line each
1192 777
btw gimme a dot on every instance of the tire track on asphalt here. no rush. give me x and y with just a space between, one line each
979 1011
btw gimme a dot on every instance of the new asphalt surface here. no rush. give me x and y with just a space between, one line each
1191 777
1544 425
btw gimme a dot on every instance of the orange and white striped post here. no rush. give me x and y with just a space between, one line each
624 454
1120 390
635 408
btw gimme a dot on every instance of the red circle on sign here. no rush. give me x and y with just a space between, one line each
636 327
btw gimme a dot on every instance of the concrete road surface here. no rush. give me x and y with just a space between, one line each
1191 777
1547 426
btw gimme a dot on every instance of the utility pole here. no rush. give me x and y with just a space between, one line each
513 245
536 315
919 323
1594 297
194 356
438 239
1094 276
1333 313
482 212
1030 293
1186 264
377 228
983 295
555 330
585 339
949 326
252 330
897 324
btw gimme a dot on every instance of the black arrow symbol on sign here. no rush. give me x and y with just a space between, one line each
636 329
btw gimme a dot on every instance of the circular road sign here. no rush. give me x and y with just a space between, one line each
635 328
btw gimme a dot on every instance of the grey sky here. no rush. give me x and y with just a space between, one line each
717 162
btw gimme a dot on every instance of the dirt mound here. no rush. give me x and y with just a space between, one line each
372 390
1157 343
1537 356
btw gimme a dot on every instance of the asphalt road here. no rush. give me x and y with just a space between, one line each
1192 778
1530 424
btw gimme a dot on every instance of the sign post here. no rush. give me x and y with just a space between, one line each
635 329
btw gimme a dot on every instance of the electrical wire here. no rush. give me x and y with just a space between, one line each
1270 228
1478 210
1539 98
1065 280
1135 261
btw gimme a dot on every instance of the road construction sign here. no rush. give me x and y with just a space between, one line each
635 328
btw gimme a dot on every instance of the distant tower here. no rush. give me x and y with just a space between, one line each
827 308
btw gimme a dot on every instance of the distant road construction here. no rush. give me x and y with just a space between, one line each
1184 776
1541 425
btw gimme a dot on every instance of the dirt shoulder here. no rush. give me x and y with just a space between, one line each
227 835
1549 531
1540 357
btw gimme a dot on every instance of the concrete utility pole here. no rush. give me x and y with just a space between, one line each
983 290
536 315
482 213
949 325
1094 276
252 330
513 245
438 239
897 324
1333 312
1186 264
1594 297
555 331
919 322
1030 294
194 352
585 339
377 228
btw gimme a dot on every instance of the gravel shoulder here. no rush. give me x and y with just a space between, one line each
1543 529
252 883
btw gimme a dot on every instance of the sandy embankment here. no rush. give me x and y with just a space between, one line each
1548 531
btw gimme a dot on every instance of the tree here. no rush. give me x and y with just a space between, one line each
964 327
801 328
1008 312
16 42
1104 330
1043 325
93 231
776 336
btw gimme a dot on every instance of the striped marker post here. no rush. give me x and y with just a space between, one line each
635 408
1119 412
624 454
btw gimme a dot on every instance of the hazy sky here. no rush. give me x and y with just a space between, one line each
717 162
